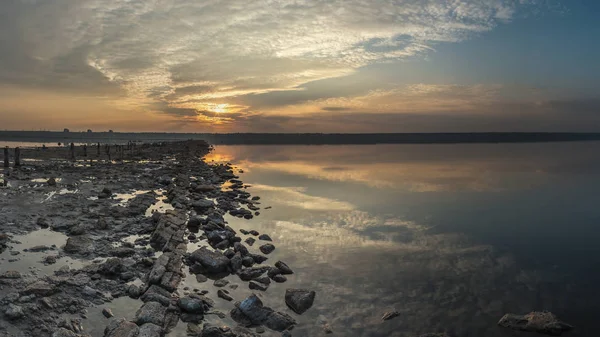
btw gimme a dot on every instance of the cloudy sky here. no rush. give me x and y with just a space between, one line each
300 65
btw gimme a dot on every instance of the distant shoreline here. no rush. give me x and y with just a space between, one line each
298 138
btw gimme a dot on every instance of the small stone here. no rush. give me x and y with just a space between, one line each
284 268
50 259
279 278
540 322
107 313
253 232
224 294
257 286
201 278
260 329
245 232
11 274
51 182
389 315
220 283
250 241
265 237
267 248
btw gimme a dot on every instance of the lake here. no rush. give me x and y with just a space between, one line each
451 236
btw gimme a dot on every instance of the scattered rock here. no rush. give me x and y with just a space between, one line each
257 286
279 278
107 313
11 274
14 312
220 283
250 241
389 315
267 248
150 312
248 274
192 305
120 327
201 278
78 245
265 237
540 322
224 294
285 270
253 232
43 222
51 182
212 261
299 300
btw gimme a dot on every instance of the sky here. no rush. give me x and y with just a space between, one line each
300 65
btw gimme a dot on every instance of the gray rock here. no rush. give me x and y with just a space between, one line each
14 312
212 261
250 241
284 268
62 332
201 278
540 322
248 274
253 310
247 261
220 283
257 286
239 247
279 278
151 312
107 313
191 305
258 258
389 315
150 330
236 262
11 274
120 327
299 300
39 288
157 294
224 294
79 245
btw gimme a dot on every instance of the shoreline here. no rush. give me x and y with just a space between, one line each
101 208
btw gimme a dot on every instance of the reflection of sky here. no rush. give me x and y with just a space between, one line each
442 233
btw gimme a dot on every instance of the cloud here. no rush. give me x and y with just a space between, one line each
187 54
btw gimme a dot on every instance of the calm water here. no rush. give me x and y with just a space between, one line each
452 236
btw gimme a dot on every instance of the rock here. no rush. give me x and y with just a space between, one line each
150 312
201 278
62 332
263 279
112 267
253 232
191 305
102 223
122 252
79 245
213 331
150 330
279 278
239 247
273 271
50 259
11 274
39 288
267 248
443 334
540 322
157 294
120 327
43 222
236 262
258 286
213 261
107 313
51 182
258 258
224 294
248 261
203 205
286 333
285 270
265 237
389 315
248 274
220 283
229 253
106 193
14 312
252 310
245 232
250 241
299 300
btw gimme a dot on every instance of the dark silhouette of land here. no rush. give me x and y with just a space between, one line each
298 138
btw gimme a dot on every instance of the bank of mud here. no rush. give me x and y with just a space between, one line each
123 241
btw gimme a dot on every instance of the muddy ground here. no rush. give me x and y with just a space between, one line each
122 241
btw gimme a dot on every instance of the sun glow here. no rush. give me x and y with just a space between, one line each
220 108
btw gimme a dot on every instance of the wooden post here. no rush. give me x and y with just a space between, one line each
98 150
6 157
72 150
17 157
108 151
85 150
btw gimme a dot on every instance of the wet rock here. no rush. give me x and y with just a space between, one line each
239 247
236 262
214 262
284 268
220 283
50 259
203 205
201 278
273 271
79 245
120 327
224 294
540 322
247 261
14 312
213 331
253 232
102 224
443 334
112 267
299 300
150 330
257 286
122 252
248 274
51 182
286 333
263 279
229 253
258 258
106 193
250 241
389 315
63 332
151 312
267 248
10 274
252 310
265 237
107 313
156 294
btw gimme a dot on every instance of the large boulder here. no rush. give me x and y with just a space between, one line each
151 312
79 245
251 310
150 330
120 327
540 322
299 300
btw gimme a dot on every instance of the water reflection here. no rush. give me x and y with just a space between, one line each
452 236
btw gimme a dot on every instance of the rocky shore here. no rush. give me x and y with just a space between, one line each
81 228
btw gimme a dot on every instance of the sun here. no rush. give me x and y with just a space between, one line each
220 108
